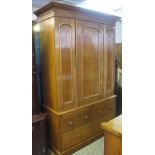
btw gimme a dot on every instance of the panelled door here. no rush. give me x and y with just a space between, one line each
65 62
89 62
109 61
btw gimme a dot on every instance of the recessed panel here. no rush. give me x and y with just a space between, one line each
109 59
90 56
66 65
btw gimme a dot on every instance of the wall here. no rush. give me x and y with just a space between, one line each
118 31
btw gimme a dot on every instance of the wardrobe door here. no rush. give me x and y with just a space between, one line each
89 46
109 60
65 62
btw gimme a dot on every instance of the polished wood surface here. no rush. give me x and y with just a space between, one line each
69 11
113 136
89 49
112 144
114 126
76 58
48 64
76 120
103 109
65 62
63 127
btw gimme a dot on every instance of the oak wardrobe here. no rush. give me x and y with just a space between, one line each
77 64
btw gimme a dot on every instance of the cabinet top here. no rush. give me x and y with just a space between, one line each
114 126
55 9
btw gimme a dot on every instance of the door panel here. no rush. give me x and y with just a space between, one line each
89 46
109 60
65 56
90 56
65 47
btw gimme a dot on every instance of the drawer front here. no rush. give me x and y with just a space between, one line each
76 136
97 124
68 123
103 109
84 117
71 121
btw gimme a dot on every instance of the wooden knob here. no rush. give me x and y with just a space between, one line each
85 117
110 107
70 123
99 112
79 136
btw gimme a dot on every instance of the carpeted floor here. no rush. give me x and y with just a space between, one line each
95 148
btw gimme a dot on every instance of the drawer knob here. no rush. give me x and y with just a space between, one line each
79 136
99 112
86 117
70 123
110 107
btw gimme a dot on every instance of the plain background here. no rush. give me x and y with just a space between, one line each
138 39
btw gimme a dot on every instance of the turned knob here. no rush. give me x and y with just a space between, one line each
110 107
79 136
99 112
70 123
85 117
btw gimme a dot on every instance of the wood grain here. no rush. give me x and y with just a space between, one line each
89 49
113 136
69 11
113 144
114 126
77 74
65 62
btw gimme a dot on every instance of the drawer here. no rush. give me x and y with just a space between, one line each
76 119
84 117
103 109
97 124
76 136
68 123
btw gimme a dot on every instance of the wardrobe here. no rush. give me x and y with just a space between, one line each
78 74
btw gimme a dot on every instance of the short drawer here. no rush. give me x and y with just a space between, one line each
84 117
68 123
74 120
103 109
76 136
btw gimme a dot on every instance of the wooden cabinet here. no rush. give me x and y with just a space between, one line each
77 64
